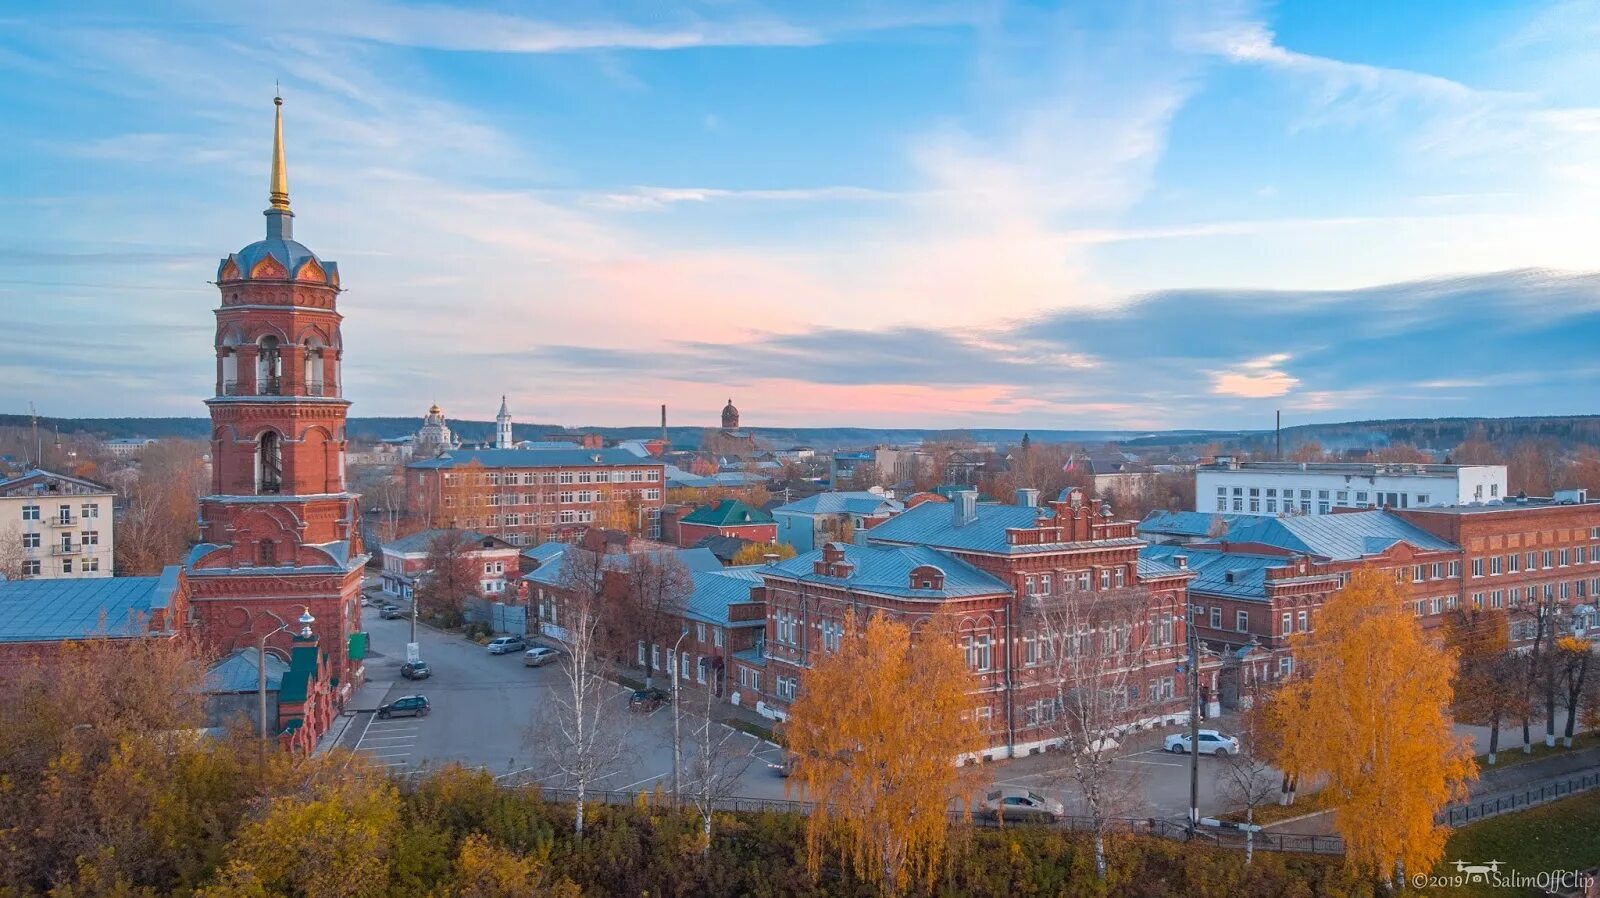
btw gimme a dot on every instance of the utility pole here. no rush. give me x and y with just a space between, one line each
677 739
1277 432
1194 717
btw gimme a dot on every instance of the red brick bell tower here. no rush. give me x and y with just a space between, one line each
279 531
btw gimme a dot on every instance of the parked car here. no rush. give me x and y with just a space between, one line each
416 670
539 656
647 699
507 644
783 767
389 611
1021 805
1211 743
405 706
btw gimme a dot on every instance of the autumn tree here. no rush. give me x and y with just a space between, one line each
652 605
1308 451
877 729
1476 450
756 553
716 760
1376 726
581 729
1490 685
453 575
1248 779
1572 659
1099 644
1532 467
157 523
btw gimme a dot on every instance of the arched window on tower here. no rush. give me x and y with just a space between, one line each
229 370
269 464
269 367
313 367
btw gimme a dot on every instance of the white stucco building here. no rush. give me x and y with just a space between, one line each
55 527
1273 488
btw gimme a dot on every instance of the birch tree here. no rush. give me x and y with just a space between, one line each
583 726
1376 725
877 729
713 771
1100 644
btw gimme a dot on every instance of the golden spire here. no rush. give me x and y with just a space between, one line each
280 174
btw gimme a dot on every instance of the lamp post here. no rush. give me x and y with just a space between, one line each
305 620
1193 639
677 740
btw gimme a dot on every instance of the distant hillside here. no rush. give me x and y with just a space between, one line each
1427 433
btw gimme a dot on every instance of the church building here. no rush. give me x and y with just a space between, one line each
279 537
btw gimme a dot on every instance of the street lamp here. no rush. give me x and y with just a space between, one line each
677 739
305 620
1193 640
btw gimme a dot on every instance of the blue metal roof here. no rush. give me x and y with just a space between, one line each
1342 537
422 540
1198 524
860 502
1211 570
714 591
886 570
552 557
237 672
289 253
933 524
535 458
51 610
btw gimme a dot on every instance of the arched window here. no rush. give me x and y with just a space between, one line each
268 553
229 371
269 367
269 464
313 367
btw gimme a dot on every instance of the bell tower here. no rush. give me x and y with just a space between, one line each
279 532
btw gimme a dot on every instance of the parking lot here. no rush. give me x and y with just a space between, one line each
487 710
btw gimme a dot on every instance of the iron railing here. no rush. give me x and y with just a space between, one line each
1517 799
1303 843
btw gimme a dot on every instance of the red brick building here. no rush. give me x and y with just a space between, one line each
279 528
531 496
38 617
992 569
723 517
405 560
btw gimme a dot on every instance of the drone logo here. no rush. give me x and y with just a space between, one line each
1478 872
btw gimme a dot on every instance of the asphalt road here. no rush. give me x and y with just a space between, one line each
489 712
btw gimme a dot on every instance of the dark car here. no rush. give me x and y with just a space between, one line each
647 699
416 670
405 706
389 611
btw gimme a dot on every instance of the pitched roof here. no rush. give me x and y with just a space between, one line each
1185 523
238 672
533 458
715 590
1231 574
553 557
1342 537
933 524
36 478
724 547
886 570
52 610
726 513
422 540
857 502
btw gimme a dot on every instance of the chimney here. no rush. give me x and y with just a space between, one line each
1182 561
663 422
964 507
1028 497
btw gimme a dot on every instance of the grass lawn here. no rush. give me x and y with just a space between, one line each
1511 757
1561 835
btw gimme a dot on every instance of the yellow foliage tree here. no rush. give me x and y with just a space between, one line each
332 843
1375 722
756 553
876 731
487 870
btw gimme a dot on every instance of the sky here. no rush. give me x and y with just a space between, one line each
907 213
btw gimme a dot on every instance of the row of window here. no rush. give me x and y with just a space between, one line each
1326 500
33 567
529 478
565 497
1532 561
63 513
1289 623
1070 581
1515 596
85 538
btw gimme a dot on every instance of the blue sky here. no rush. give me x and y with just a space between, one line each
882 213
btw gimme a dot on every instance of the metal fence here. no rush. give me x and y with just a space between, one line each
1303 843
500 617
1518 799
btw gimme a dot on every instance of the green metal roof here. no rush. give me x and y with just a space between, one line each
727 513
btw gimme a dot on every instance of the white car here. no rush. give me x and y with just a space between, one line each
1211 743
506 645
1020 805
539 656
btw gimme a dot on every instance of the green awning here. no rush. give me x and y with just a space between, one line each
358 646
